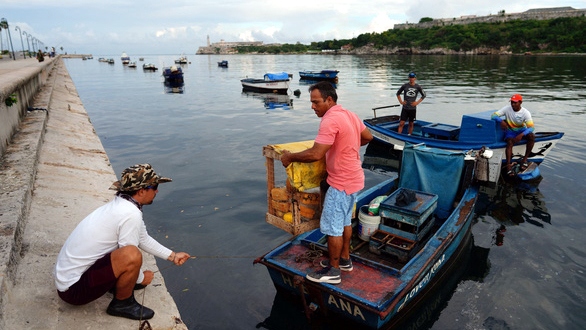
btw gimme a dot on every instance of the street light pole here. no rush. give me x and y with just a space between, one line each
22 43
4 24
27 44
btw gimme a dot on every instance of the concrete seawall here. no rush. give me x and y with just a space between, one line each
53 173
24 82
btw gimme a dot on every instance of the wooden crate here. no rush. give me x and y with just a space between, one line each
298 224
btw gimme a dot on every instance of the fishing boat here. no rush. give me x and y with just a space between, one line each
125 58
173 75
132 64
277 83
149 67
319 75
181 60
397 261
102 59
476 131
110 61
223 64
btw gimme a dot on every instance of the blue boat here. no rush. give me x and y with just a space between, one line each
125 58
476 131
173 75
411 250
319 75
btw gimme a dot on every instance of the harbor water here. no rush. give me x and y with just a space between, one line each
528 260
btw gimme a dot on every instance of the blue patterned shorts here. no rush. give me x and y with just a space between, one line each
337 212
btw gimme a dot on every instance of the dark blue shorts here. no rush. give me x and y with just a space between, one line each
407 114
93 284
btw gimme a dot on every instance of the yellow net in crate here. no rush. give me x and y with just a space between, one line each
303 176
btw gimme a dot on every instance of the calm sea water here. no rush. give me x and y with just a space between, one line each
528 241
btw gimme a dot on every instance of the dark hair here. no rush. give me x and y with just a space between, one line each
326 89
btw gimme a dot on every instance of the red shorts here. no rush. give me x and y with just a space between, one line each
94 283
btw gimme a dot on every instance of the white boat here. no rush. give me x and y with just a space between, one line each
132 65
277 83
181 60
125 58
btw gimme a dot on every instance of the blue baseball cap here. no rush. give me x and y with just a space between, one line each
412 75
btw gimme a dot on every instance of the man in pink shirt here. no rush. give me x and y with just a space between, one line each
340 135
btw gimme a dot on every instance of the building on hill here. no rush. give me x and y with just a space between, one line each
224 47
538 14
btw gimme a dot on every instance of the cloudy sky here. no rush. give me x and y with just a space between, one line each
171 27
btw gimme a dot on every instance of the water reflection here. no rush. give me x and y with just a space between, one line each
172 87
272 100
511 204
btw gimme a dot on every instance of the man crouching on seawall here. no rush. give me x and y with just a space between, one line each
102 253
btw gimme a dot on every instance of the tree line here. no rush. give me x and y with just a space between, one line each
559 35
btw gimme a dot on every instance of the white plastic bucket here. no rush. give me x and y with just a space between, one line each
367 224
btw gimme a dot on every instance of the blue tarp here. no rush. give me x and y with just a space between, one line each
433 171
277 76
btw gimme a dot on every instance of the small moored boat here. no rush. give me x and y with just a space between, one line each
272 83
149 67
181 60
173 75
319 75
223 64
125 58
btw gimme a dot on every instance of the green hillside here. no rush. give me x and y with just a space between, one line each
559 35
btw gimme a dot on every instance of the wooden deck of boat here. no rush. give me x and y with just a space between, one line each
364 281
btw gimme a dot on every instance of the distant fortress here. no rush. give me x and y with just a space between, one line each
224 47
537 14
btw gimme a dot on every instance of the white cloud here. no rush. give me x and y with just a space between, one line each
154 26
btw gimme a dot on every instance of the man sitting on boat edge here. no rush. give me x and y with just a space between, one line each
517 125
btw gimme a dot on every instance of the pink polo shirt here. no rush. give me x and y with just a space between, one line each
341 129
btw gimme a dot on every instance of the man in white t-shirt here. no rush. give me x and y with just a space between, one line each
518 125
103 252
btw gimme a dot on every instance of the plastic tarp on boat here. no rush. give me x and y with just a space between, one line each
277 76
435 171
303 176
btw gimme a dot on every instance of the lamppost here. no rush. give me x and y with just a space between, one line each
22 43
4 24
27 43
33 42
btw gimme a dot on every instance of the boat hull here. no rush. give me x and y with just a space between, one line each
265 86
319 75
384 129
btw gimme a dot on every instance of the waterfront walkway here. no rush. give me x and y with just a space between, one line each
55 171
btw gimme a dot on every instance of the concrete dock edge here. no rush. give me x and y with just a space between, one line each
53 173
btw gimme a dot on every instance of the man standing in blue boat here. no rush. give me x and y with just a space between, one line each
340 135
409 102
518 125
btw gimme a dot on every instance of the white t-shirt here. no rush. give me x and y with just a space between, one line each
114 225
